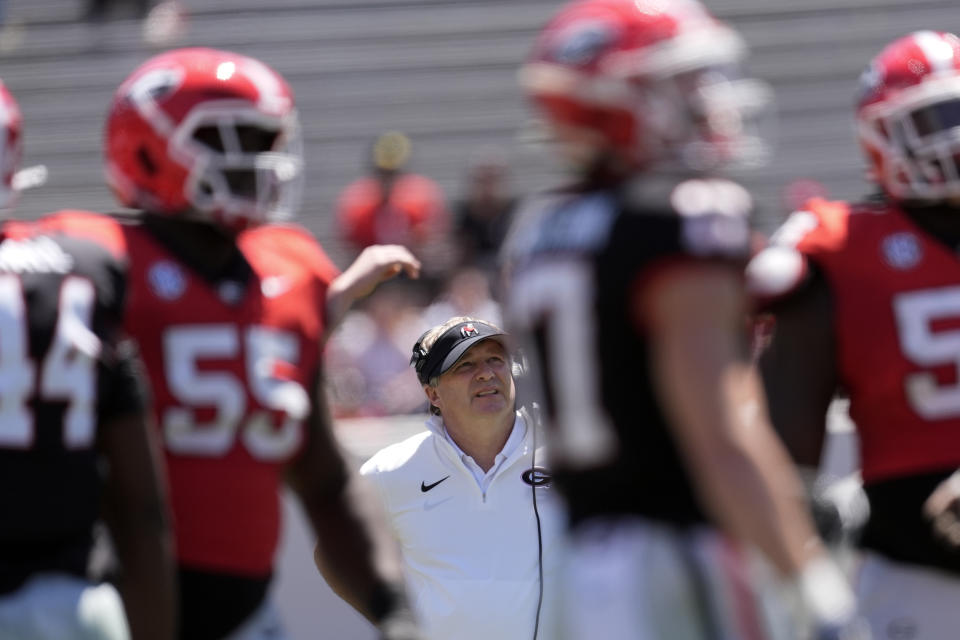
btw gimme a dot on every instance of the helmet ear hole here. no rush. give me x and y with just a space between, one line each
143 156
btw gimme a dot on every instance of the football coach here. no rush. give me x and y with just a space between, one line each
469 499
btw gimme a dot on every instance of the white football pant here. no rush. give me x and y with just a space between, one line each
630 579
54 606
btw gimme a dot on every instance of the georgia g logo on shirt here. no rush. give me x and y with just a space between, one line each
537 477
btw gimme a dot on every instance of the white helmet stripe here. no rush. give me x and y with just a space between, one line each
936 50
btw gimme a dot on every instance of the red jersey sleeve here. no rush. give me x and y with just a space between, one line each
99 227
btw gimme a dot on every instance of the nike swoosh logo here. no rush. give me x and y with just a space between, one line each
426 487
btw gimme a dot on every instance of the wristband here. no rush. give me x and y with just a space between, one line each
385 600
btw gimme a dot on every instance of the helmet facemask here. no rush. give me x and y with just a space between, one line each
695 108
243 164
703 118
917 138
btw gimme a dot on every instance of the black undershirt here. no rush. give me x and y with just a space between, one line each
212 605
897 527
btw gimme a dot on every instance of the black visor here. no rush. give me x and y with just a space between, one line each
449 348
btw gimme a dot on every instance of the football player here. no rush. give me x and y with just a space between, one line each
75 439
866 299
227 307
628 288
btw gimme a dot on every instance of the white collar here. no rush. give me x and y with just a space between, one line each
517 435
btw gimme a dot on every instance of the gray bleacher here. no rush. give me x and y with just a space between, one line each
441 70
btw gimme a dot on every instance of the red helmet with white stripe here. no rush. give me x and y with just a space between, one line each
11 146
649 82
208 134
908 117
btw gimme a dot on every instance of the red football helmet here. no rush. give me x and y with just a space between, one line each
908 117
11 146
207 134
653 82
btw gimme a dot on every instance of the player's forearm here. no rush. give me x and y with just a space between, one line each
340 298
374 265
741 472
148 584
353 552
753 494
135 510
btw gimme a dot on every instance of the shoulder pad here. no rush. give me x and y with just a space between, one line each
820 224
296 241
694 198
784 266
97 227
715 217
688 198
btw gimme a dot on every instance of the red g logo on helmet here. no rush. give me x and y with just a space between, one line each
468 330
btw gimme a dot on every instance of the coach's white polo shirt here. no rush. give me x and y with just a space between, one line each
469 552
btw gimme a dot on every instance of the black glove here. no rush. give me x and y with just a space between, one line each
393 614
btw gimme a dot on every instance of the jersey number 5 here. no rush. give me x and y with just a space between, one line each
195 387
915 312
67 373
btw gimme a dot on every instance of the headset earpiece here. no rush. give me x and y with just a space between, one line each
419 356
518 364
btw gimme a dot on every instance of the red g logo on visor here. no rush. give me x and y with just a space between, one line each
468 330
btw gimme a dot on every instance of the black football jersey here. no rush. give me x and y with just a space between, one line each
64 371
573 262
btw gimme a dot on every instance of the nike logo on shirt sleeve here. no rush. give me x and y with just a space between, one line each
424 487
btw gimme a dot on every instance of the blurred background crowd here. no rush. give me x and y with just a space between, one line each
415 131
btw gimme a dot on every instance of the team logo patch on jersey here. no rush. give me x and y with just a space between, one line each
167 280
902 250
